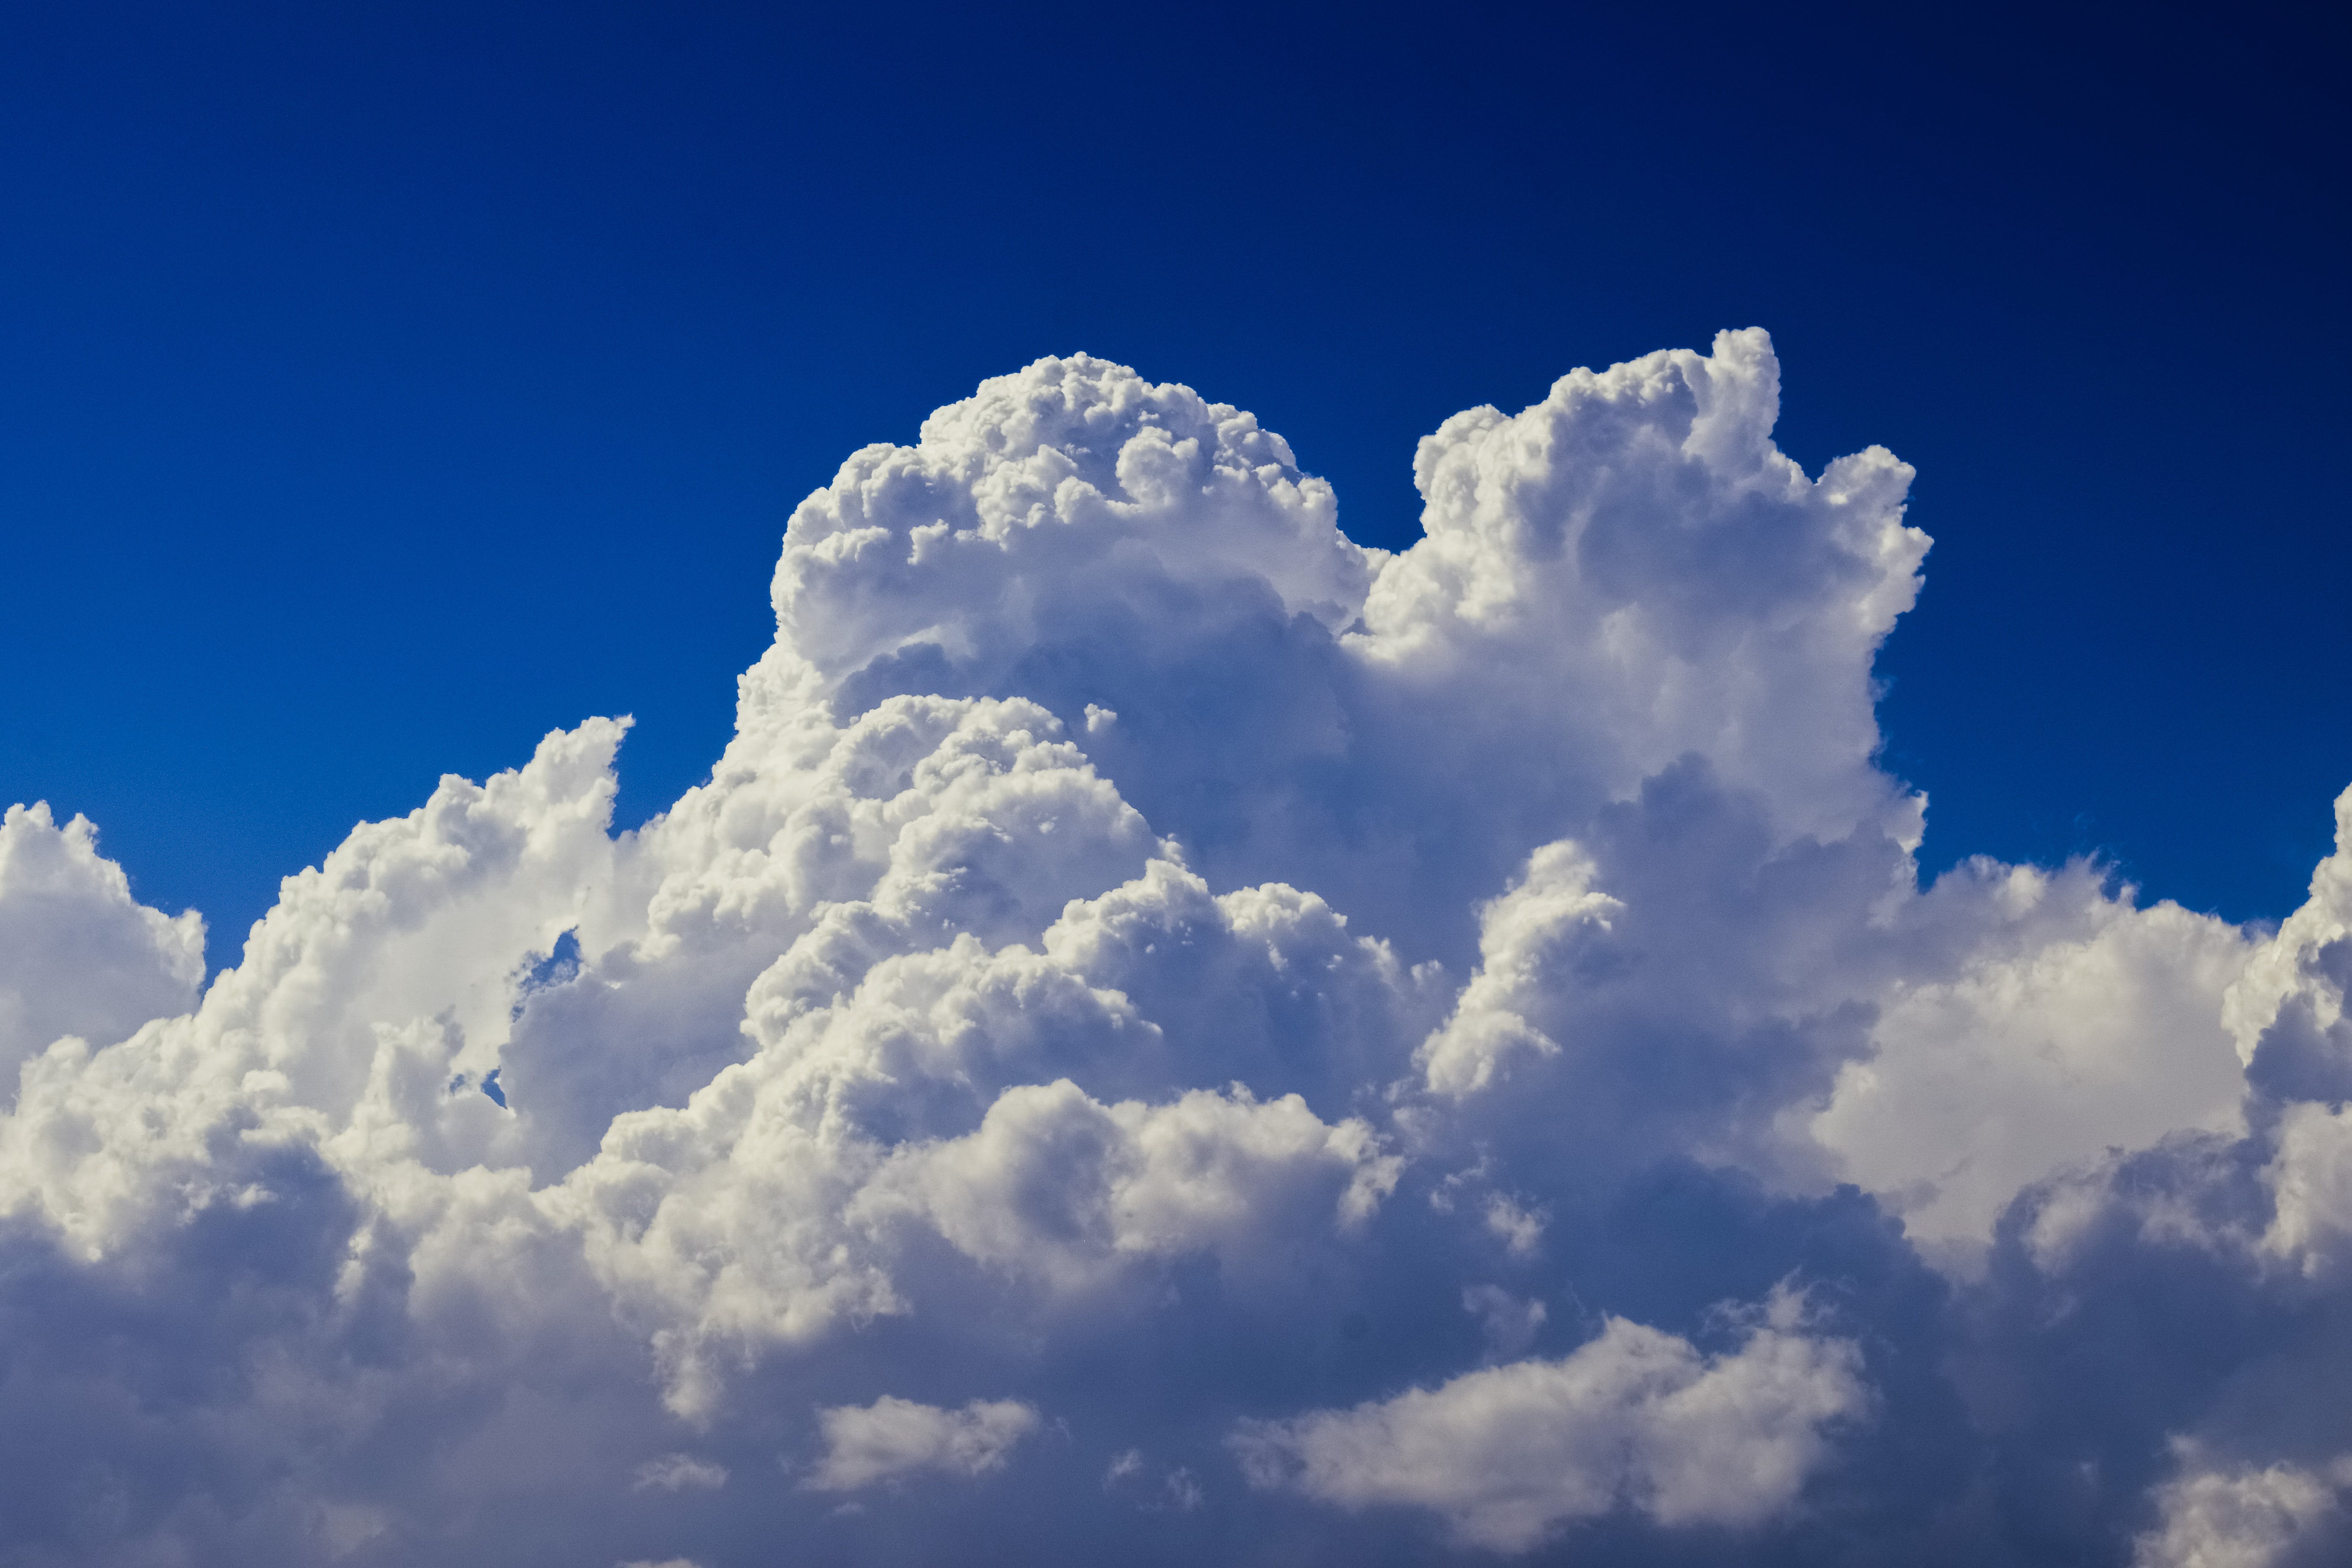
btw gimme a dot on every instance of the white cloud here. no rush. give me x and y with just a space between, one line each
1636 1418
1531 939
1144 956
2303 960
895 1437
1056 1184
2071 1025
78 954
2245 1518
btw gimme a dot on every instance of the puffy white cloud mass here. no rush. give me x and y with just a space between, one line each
1170 1037
78 954
1634 1418
892 1437
2252 1519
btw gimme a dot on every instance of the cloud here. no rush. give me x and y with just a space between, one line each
78 954
2249 1519
1633 1419
2075 1024
680 1473
1219 1044
894 1438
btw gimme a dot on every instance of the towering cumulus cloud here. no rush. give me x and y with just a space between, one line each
1170 1038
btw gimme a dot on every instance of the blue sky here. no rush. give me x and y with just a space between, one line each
1267 904
389 386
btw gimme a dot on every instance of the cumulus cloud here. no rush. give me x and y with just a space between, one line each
78 954
2246 1518
2072 1024
1633 1419
1170 1034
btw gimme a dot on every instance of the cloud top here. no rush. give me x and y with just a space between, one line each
1168 1034
78 954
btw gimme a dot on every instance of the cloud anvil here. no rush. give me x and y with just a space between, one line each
1168 1032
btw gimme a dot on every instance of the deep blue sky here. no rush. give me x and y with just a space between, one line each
386 384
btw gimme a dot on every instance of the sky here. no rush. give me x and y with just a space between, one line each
1218 785
395 383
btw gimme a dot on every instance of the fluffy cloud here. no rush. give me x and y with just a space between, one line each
1170 1034
2072 1024
2249 1519
892 1437
1633 1419
78 954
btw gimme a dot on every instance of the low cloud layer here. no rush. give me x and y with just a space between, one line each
1170 1034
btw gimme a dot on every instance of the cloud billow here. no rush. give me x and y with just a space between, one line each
1168 1032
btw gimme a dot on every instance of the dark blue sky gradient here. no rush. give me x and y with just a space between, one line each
386 387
